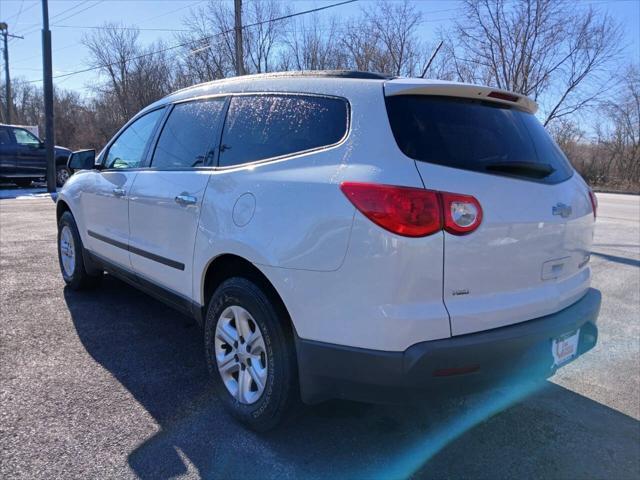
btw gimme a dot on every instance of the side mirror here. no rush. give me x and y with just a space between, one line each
82 160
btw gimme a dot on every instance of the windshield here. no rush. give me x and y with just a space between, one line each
476 135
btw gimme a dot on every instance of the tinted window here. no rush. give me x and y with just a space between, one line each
265 126
189 137
128 149
5 139
475 135
24 137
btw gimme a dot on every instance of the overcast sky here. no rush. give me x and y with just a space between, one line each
67 16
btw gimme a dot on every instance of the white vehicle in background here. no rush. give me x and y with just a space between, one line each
344 235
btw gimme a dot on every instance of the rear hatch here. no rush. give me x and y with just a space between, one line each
529 256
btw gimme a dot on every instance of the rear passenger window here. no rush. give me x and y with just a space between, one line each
265 126
188 138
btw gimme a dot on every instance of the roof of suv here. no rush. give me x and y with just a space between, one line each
298 74
392 86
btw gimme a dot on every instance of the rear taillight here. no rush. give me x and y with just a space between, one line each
414 212
594 202
411 212
462 213
503 96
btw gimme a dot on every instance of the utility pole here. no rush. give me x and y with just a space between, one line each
48 98
238 28
8 104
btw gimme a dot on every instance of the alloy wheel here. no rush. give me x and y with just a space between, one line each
67 251
241 354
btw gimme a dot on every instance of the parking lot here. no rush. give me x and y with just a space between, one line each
112 383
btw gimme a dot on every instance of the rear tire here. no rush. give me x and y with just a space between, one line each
71 256
269 398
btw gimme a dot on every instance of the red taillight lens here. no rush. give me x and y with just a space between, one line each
594 202
503 96
411 212
462 213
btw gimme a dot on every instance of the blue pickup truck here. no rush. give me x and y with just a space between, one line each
23 159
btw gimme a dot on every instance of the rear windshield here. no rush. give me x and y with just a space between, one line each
476 135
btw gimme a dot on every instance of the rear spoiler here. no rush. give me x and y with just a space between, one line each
416 86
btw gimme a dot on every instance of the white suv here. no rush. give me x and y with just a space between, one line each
344 235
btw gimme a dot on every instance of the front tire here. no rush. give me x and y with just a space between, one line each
250 355
70 256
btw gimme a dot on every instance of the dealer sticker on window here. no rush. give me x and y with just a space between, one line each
565 347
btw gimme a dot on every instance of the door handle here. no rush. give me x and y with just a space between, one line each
119 192
185 200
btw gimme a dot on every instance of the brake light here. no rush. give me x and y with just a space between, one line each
414 212
594 202
462 213
503 96
411 212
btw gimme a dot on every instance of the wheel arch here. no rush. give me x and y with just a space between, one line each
61 207
225 266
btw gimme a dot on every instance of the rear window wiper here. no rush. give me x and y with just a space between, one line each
529 169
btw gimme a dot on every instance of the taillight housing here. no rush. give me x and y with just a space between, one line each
414 212
411 212
594 202
462 213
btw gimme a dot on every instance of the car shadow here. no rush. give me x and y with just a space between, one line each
618 259
157 354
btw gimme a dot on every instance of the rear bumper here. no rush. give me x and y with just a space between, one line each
520 352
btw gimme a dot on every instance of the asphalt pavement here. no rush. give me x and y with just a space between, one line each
113 384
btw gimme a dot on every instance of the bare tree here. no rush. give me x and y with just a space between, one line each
209 52
550 50
395 27
313 45
28 103
134 76
361 45
111 51
264 36
620 135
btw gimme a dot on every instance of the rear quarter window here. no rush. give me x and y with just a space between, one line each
259 127
476 135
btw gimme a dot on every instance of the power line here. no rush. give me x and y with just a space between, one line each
54 17
23 11
20 11
123 28
208 37
77 12
73 7
174 10
28 31
22 60
81 3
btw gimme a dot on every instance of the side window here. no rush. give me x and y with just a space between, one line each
264 126
128 149
5 138
190 135
25 137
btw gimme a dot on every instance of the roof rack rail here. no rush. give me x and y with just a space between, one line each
331 73
351 74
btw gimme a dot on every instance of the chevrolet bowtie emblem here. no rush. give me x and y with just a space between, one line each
561 209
